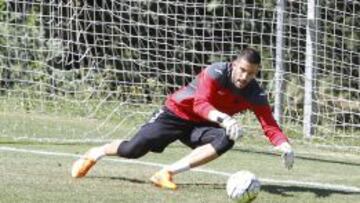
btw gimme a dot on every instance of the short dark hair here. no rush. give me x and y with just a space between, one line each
250 55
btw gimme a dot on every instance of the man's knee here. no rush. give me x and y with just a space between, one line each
222 143
131 150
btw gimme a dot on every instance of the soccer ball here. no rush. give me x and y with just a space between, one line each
243 187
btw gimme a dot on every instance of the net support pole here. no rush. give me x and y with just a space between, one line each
310 68
279 62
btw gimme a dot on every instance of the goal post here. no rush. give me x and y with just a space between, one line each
95 70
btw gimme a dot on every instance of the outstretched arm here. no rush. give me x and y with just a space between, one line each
274 133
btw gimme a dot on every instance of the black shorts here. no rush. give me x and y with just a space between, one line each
165 127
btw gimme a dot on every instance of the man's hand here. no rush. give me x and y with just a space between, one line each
233 130
287 154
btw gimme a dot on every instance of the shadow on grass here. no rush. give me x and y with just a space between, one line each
285 191
140 181
300 157
131 180
267 153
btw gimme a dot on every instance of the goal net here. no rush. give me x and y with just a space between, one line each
95 70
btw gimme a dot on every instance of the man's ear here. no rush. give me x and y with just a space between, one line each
236 61
259 74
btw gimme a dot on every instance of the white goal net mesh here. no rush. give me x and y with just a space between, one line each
94 70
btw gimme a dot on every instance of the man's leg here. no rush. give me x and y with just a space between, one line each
197 157
137 147
215 143
84 164
153 136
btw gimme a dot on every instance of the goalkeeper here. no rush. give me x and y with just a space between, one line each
200 115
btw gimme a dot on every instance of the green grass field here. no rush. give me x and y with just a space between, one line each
40 172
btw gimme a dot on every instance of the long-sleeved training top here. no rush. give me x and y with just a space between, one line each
213 89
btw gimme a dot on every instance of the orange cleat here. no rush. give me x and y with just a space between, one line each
81 167
163 179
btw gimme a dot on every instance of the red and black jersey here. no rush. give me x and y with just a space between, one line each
213 89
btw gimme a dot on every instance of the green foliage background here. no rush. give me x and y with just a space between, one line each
79 56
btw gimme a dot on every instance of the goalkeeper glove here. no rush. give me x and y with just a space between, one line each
233 130
287 154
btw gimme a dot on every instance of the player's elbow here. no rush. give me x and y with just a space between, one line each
197 109
200 108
